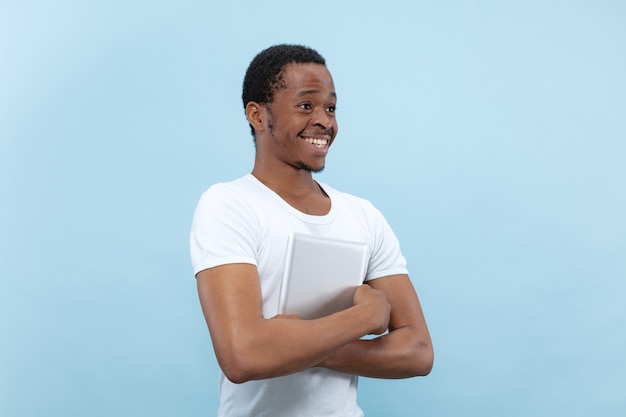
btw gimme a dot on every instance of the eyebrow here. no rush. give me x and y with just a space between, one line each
307 92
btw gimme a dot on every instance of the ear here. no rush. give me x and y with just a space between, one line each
256 115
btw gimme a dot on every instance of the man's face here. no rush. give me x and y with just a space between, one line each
301 119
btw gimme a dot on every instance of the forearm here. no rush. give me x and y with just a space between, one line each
248 346
275 347
399 354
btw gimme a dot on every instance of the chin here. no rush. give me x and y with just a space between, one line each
309 168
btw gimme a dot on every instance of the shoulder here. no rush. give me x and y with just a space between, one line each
240 186
238 192
227 210
231 202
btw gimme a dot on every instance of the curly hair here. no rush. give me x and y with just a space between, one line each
264 74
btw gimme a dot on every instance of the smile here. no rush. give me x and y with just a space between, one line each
320 143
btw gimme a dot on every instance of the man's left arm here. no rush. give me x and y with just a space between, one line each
405 351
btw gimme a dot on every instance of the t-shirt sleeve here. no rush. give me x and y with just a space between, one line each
387 258
224 230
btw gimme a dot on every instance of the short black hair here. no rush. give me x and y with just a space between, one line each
264 75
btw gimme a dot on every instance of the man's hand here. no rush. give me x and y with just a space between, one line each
404 352
378 308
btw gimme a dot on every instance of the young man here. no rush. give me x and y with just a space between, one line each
274 365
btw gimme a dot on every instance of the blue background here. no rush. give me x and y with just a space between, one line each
491 134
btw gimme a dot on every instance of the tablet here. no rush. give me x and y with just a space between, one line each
321 275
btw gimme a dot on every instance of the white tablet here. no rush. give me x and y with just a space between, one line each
321 275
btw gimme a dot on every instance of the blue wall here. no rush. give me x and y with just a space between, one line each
491 134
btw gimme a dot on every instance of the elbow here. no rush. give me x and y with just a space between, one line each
422 359
427 361
234 370
237 366
237 371
237 376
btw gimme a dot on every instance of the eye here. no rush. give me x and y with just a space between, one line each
331 108
305 106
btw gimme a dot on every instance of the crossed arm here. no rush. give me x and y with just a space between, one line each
249 346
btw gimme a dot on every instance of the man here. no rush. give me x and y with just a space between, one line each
275 365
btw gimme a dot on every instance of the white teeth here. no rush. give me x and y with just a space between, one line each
320 143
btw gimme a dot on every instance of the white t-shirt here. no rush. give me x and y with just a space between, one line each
243 221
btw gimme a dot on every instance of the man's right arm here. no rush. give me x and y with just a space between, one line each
249 346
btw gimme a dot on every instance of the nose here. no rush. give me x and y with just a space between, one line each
322 119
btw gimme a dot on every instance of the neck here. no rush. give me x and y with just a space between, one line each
282 177
295 186
293 181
